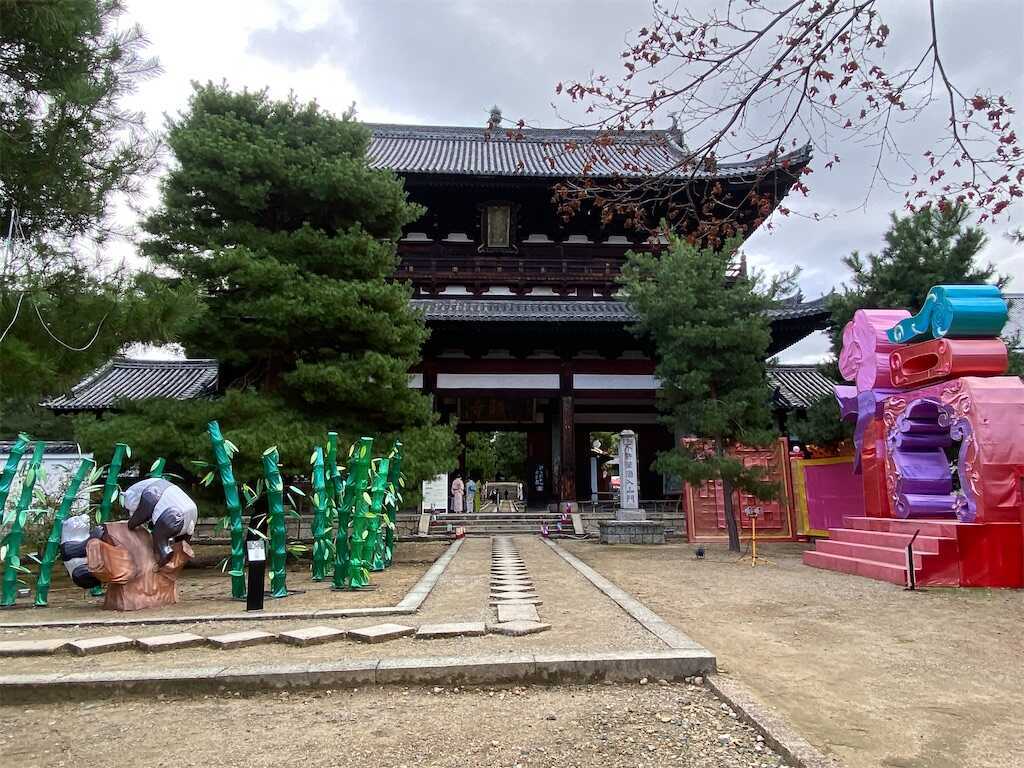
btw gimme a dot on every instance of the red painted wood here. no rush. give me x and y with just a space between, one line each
914 365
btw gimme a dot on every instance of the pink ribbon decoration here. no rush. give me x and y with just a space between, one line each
864 358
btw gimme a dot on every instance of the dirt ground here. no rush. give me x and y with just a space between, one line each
582 619
652 725
866 671
206 591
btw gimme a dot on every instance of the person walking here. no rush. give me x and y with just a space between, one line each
471 495
458 495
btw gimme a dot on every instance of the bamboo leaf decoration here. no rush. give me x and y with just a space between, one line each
157 470
12 561
222 451
275 508
11 468
320 531
53 542
353 500
368 510
394 499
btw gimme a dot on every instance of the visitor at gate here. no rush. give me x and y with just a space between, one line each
471 495
458 495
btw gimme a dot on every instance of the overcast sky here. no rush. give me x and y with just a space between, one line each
447 61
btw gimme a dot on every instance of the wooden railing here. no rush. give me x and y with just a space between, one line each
593 265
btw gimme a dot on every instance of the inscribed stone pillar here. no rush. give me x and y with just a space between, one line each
629 480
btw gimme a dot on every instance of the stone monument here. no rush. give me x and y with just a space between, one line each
630 525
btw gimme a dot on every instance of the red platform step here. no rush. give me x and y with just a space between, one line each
946 552
875 547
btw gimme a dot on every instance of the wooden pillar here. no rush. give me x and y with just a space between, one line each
567 479
567 484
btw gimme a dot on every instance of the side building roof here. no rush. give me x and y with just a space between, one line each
122 378
798 386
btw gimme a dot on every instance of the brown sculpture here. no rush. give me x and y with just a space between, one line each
125 562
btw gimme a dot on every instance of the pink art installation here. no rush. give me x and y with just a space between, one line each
940 446
864 358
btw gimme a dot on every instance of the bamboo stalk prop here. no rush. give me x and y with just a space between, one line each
157 470
11 468
395 484
368 509
336 491
355 498
275 520
53 542
321 548
12 562
110 487
223 450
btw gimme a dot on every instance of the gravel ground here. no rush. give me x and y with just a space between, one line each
650 725
582 619
208 591
864 670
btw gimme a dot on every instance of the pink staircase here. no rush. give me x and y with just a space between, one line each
875 547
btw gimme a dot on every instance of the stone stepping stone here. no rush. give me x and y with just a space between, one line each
31 647
241 639
380 633
518 628
517 613
509 572
169 642
511 588
515 595
90 645
311 636
459 629
517 601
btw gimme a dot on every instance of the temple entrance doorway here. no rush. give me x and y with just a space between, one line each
496 470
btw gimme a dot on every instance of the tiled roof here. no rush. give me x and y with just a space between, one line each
547 152
798 386
471 309
518 310
137 380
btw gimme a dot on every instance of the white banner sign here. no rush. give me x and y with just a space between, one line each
435 494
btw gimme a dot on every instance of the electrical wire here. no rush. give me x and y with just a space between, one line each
14 319
63 344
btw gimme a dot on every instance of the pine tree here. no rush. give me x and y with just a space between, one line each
272 211
66 145
930 247
710 335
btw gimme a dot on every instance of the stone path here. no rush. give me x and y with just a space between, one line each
512 591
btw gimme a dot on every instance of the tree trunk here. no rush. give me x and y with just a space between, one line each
730 513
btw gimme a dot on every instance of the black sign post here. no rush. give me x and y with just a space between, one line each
256 554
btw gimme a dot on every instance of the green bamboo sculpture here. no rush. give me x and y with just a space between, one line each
157 470
354 499
368 509
53 542
110 490
395 484
335 486
223 450
11 468
12 562
321 547
110 487
275 522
